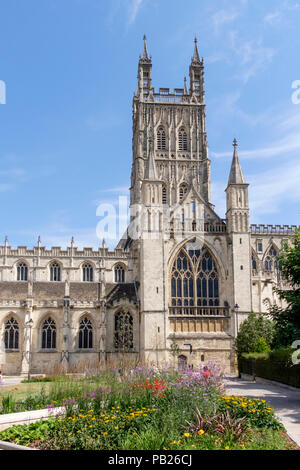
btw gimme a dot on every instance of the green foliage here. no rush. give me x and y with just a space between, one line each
25 434
283 355
252 330
287 319
255 355
257 413
261 346
277 367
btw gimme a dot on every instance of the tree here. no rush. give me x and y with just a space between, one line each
287 319
252 330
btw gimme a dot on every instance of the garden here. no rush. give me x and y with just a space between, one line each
143 408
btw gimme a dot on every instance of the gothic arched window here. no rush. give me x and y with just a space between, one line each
164 195
85 339
254 263
271 262
182 140
182 283
161 139
11 334
123 337
87 272
119 274
182 191
194 279
22 272
55 272
49 334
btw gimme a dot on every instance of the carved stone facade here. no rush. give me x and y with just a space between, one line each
181 273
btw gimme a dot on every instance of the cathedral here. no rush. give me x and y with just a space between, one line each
179 282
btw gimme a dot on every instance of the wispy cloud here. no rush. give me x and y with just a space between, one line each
134 8
253 55
273 18
222 17
6 187
271 189
285 139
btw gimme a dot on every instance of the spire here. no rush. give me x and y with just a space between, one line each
145 55
196 58
236 175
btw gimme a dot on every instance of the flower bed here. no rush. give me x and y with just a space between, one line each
154 409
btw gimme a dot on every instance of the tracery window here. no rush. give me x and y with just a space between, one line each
271 261
55 272
87 273
119 274
254 263
182 191
182 140
11 334
22 272
85 339
161 139
123 331
49 334
164 195
194 279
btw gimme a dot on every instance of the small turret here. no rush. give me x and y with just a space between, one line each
144 73
197 75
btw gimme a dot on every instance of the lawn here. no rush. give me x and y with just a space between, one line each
149 408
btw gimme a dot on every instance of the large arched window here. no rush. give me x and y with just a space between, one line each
123 337
119 274
55 272
22 272
271 262
194 279
49 334
161 139
87 272
182 140
11 334
85 337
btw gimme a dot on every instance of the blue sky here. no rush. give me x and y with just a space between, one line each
70 70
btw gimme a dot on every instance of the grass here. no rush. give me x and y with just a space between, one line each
23 390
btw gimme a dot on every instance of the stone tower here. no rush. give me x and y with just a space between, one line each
169 137
238 228
170 170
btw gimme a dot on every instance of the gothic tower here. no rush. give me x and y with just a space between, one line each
170 168
238 228
169 144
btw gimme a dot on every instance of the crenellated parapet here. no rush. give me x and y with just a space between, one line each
262 229
58 252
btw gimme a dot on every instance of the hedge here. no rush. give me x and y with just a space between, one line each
269 369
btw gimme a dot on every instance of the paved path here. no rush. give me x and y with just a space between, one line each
286 402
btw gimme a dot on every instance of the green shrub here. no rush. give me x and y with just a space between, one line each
268 368
251 330
255 355
261 346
